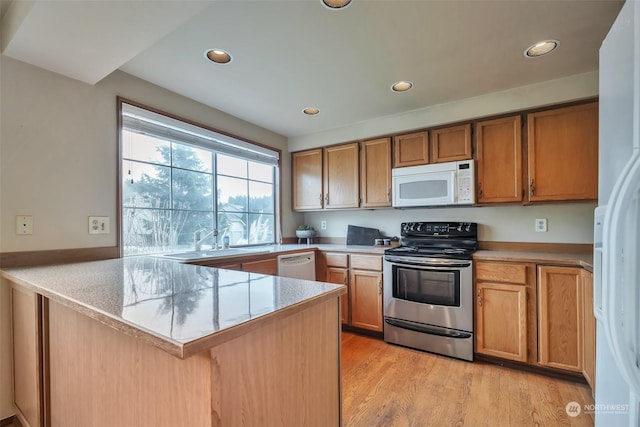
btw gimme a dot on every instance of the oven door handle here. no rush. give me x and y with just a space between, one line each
445 264
431 330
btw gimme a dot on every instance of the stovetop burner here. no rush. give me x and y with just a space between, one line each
437 240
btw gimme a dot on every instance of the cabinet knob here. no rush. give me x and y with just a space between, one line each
532 188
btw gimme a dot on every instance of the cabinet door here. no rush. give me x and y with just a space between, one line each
560 317
366 299
341 181
411 149
563 153
451 144
307 180
265 266
589 345
375 173
499 160
340 276
27 356
501 320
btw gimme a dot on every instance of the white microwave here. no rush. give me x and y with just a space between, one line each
438 184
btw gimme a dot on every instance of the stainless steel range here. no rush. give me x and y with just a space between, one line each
428 288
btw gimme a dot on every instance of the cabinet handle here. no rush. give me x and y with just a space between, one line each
379 286
479 298
532 188
479 190
326 199
321 197
389 195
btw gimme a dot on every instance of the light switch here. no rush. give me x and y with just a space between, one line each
24 224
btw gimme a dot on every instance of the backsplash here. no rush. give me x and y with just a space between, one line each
567 222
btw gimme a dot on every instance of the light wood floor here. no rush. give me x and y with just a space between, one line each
387 385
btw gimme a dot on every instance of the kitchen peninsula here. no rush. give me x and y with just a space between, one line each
152 342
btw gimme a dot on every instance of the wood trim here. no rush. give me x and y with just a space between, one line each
56 256
574 248
520 366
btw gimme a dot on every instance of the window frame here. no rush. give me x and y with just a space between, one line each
243 144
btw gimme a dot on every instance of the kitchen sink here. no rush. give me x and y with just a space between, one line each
196 255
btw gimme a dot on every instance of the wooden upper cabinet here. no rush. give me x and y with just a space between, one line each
341 176
451 144
411 149
307 180
560 317
563 153
375 173
499 160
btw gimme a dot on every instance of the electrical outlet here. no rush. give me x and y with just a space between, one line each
541 225
98 225
323 225
24 224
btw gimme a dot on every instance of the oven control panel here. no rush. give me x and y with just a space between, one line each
452 229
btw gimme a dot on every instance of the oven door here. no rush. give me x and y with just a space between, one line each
438 292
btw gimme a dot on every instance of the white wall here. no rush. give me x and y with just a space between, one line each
579 86
58 163
567 222
58 152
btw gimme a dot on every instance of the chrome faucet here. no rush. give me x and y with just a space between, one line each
198 238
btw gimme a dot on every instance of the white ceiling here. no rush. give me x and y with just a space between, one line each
293 54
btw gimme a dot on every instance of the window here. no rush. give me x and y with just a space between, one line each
178 178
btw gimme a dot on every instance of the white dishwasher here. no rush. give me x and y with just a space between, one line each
298 266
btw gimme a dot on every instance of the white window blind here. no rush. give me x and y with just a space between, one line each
147 122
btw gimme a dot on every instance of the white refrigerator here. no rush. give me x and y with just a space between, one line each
617 226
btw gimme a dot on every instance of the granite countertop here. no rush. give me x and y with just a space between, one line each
584 260
183 309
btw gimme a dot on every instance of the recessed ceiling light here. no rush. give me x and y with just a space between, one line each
541 48
336 4
401 86
218 56
310 111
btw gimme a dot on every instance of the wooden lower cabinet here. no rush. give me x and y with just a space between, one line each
505 310
589 353
501 320
541 315
265 266
28 368
362 275
366 299
560 317
340 276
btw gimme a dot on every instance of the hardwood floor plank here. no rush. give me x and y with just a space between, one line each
386 385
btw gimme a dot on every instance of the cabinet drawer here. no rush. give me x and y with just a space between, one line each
501 272
337 260
366 262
